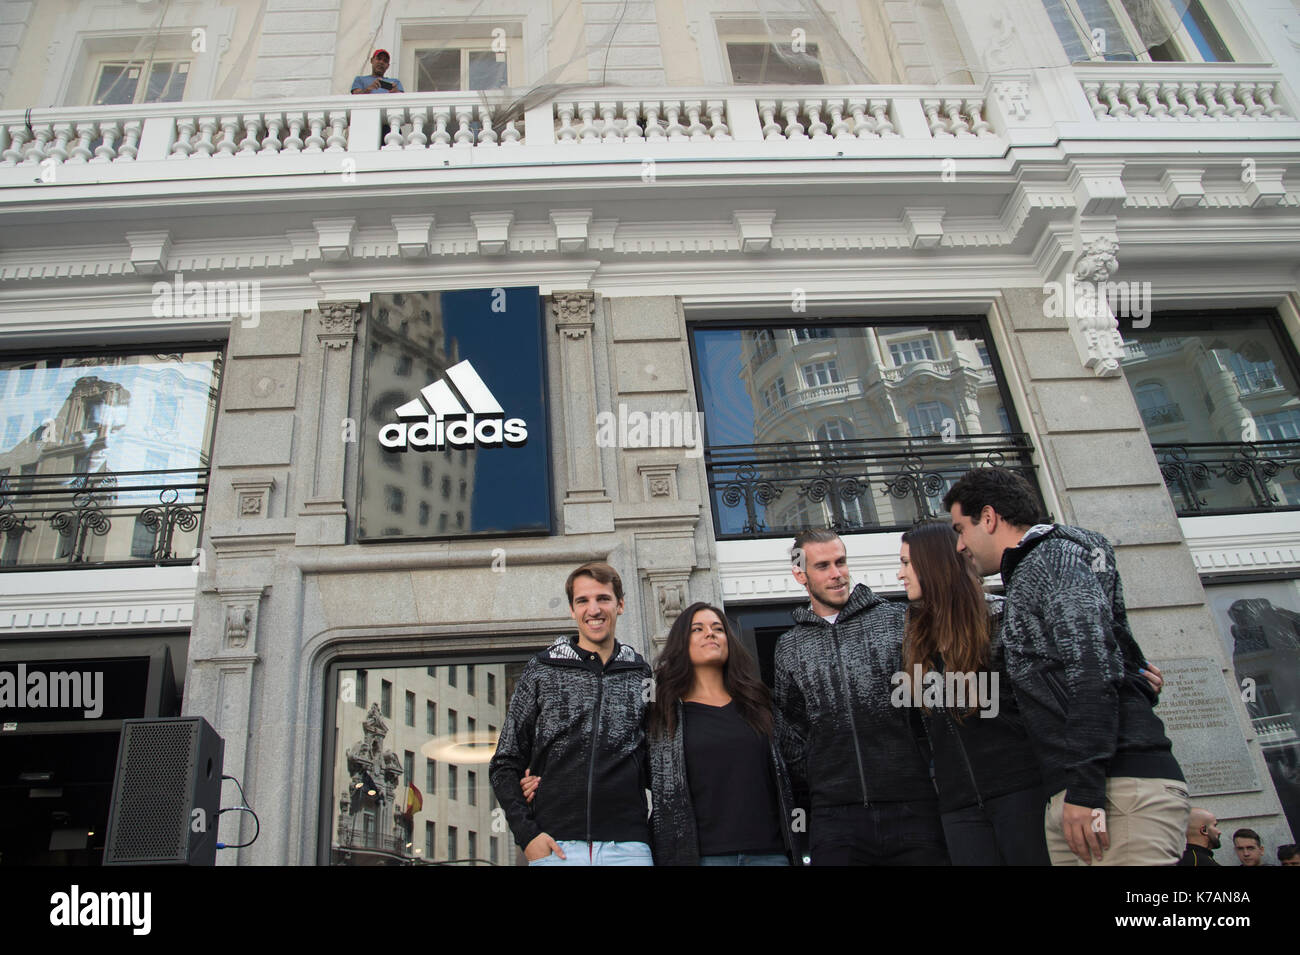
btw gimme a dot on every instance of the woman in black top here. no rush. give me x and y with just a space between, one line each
719 791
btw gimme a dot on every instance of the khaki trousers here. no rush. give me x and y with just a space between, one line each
1146 820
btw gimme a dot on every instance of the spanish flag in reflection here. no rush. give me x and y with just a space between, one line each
414 801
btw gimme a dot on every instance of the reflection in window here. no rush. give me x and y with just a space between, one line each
774 63
928 417
386 790
918 349
820 373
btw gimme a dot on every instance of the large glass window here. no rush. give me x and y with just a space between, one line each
120 83
867 440
1133 30
774 63
104 457
1220 400
380 813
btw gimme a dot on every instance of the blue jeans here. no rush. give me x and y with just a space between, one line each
577 852
746 858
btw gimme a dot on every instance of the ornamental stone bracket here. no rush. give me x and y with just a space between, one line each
671 593
1093 327
239 607
253 496
149 251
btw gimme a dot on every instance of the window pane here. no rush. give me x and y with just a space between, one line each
117 83
167 83
437 70
487 70
774 63
400 764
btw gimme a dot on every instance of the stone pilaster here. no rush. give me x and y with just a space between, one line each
587 508
323 514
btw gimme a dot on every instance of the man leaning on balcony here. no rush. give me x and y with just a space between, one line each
375 82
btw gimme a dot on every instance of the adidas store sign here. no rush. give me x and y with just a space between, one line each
458 411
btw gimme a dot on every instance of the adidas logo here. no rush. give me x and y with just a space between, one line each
458 411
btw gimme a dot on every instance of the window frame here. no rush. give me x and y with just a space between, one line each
1179 35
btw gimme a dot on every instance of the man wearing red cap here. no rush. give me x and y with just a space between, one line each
375 83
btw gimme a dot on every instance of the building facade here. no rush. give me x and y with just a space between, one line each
688 277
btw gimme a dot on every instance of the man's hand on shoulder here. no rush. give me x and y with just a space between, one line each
541 847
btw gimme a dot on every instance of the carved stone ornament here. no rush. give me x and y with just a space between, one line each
1098 261
1094 329
237 620
1013 97
672 600
573 307
338 322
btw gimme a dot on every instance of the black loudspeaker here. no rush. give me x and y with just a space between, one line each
166 794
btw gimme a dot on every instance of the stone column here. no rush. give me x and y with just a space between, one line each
587 508
324 516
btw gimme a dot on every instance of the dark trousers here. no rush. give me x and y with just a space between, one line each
1007 831
887 833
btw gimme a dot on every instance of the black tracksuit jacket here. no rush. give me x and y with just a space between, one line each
1074 663
842 739
577 725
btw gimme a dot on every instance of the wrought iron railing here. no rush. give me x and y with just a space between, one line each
774 490
1231 477
78 520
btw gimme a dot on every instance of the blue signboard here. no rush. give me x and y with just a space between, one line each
455 440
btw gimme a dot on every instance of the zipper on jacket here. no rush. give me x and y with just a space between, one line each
595 739
965 759
853 727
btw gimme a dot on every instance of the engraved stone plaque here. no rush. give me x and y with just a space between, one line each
1200 722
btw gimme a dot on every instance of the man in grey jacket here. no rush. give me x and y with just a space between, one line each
1120 796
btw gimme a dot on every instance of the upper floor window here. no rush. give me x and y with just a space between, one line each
459 69
820 373
776 63
915 349
157 81
808 334
1147 30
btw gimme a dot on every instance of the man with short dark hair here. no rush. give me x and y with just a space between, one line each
1288 854
1203 837
1120 796
375 82
575 720
1249 846
852 755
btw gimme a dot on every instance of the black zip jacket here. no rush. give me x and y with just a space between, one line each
672 821
1074 663
844 741
982 757
577 725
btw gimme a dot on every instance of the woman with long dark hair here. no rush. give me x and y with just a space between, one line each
719 791
991 796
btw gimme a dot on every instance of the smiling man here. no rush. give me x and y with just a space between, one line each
576 720
853 755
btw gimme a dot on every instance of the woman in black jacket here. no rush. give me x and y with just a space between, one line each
991 797
720 794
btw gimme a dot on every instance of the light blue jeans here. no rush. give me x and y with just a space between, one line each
598 853
746 858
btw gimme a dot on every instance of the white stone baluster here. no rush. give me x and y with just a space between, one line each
464 116
816 128
696 130
1155 108
511 135
675 129
229 129
338 138
718 128
938 124
880 111
767 112
130 141
181 149
394 117
864 127
1217 109
1129 93
34 154
271 142
13 154
315 141
793 128
1093 91
293 139
653 128
58 150
1265 93
440 138
588 133
207 129
1246 93
564 131
609 126
1188 93
487 136
956 122
419 117
632 131
85 136
252 140
1177 108
1226 91
839 125
979 125
108 133
1110 93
